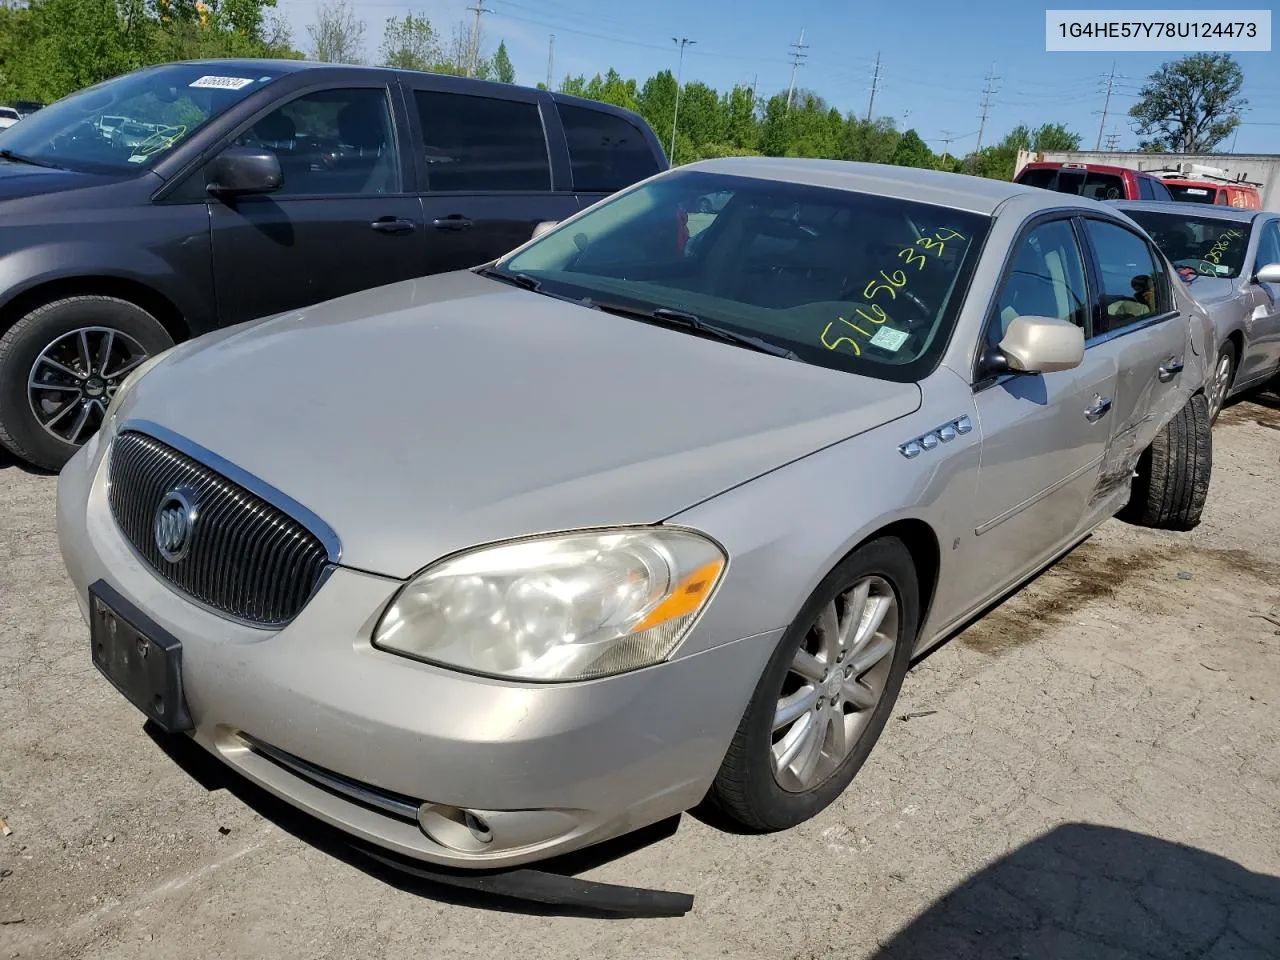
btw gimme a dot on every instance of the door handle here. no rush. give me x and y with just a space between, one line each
455 221
1170 369
1099 409
393 225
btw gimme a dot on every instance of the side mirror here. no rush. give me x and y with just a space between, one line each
1042 345
543 228
239 171
1268 274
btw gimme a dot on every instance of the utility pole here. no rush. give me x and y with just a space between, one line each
551 59
797 57
1112 140
986 105
1106 105
755 79
675 114
875 83
474 56
947 137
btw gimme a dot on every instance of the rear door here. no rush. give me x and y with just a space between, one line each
345 218
1134 320
486 169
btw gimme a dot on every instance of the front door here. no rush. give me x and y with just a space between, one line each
342 221
1262 356
487 172
1044 436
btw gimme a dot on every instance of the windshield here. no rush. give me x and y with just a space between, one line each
1083 183
1189 194
1204 246
857 282
130 122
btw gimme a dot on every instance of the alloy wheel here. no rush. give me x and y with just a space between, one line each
1220 385
836 678
74 378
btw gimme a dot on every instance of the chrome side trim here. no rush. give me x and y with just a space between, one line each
395 804
1033 500
938 435
281 501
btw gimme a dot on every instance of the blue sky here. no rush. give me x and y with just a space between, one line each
934 56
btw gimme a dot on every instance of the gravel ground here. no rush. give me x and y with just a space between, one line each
1089 773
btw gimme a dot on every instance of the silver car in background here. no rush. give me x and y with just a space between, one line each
659 508
1230 259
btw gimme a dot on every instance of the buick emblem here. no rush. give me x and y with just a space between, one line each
175 520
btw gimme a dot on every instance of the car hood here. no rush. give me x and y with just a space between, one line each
428 416
27 180
1212 290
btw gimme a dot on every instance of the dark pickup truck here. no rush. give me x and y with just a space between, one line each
177 199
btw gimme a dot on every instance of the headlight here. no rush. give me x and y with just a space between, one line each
130 382
566 607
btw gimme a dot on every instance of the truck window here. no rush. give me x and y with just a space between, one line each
1159 191
1144 189
482 144
1084 183
606 152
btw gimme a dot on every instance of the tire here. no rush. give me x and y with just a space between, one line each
749 789
124 330
1219 386
1172 484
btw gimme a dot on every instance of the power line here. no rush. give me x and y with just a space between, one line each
875 83
986 105
797 57
1106 105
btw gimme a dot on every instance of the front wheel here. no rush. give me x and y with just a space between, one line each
826 694
1220 383
61 364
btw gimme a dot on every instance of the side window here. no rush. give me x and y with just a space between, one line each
332 143
1222 198
1047 279
1159 191
1268 244
1134 285
1144 189
482 144
606 152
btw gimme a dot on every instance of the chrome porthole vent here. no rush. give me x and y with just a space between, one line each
939 435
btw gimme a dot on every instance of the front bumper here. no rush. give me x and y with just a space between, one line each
315 715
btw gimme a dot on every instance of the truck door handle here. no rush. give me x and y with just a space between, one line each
1170 369
393 225
1099 409
455 221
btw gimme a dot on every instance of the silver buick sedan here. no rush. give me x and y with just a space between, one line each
656 510
1230 260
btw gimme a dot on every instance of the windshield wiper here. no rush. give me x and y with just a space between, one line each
522 280
691 321
18 158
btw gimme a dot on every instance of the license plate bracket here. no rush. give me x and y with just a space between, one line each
140 659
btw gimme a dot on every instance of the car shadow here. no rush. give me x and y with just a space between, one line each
1086 892
532 888
9 462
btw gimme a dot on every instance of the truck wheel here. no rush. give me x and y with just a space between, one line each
60 366
826 694
1173 473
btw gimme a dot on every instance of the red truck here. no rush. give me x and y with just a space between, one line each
1095 180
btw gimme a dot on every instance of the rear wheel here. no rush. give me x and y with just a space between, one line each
61 364
1219 385
1172 484
826 694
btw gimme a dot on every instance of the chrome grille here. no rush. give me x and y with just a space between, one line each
246 558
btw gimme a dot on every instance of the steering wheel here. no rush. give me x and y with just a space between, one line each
1202 268
926 313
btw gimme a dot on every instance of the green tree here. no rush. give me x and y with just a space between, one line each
911 151
337 36
410 43
657 101
1054 137
742 130
1191 105
503 71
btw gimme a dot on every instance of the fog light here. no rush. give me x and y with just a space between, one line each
454 827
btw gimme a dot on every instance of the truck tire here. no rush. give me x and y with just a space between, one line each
1172 484
60 365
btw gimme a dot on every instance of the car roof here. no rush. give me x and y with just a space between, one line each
959 191
1190 208
1093 167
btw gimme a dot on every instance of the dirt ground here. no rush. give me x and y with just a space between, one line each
1092 772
